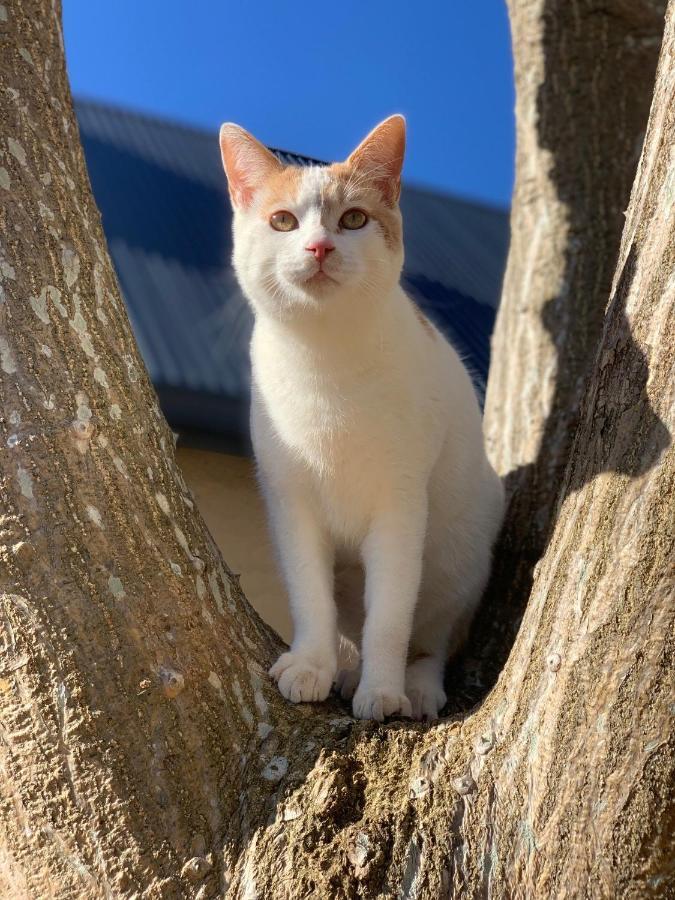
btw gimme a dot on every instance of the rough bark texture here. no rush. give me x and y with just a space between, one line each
144 752
584 72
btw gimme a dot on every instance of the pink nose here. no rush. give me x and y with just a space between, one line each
320 248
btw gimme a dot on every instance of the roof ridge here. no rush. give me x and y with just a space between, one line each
113 108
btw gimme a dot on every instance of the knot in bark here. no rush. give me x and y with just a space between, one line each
172 682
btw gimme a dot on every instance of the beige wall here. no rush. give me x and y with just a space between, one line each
227 495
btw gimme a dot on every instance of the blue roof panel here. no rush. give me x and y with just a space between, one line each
167 218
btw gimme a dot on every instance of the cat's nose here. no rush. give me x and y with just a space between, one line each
321 248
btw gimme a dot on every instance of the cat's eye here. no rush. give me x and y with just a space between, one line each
283 221
353 219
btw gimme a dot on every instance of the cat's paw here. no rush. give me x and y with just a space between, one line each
347 682
300 680
425 692
376 703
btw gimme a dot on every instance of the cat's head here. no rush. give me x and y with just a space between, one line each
316 236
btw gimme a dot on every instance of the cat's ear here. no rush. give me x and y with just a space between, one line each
380 157
246 161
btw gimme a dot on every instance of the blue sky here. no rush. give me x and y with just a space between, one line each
315 78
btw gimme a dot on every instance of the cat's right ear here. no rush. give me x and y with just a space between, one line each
246 161
379 157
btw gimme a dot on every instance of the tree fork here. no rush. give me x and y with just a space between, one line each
144 751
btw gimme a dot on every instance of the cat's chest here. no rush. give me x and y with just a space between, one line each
333 440
329 424
337 430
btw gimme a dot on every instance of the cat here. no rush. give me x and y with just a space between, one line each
366 429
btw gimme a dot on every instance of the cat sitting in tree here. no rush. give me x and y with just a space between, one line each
366 429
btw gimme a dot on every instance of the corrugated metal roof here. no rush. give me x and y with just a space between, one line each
166 215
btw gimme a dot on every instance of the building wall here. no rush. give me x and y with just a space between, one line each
227 495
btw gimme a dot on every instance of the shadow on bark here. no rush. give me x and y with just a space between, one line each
594 155
619 433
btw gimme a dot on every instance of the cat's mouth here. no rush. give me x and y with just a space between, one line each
318 278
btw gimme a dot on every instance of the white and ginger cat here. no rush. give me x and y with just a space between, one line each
366 429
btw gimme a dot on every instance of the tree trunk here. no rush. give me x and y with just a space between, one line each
144 751
584 74
584 81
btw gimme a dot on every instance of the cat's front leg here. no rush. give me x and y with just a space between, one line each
306 672
392 555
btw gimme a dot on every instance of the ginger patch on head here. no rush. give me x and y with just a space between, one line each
349 186
391 226
281 189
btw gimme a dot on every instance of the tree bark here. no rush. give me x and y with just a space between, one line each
144 751
584 72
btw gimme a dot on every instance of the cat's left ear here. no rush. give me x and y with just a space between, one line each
380 157
247 163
